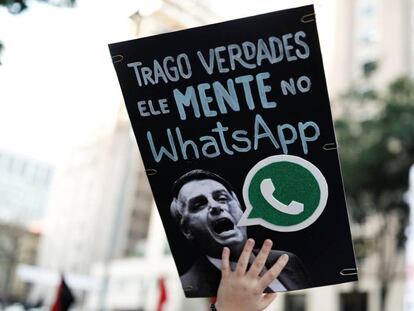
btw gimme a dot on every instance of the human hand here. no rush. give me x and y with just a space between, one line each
242 290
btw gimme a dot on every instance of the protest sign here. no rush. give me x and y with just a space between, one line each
235 131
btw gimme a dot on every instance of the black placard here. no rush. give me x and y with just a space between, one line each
241 110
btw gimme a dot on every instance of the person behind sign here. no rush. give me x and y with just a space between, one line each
207 211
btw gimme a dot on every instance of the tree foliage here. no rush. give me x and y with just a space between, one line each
376 137
18 6
377 150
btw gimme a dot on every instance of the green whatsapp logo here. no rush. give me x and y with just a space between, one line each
284 193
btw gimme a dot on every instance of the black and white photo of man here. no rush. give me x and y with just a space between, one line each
207 211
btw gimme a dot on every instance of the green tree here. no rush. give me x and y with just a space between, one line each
376 136
1 49
18 6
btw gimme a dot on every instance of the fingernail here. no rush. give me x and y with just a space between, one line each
268 243
250 242
285 258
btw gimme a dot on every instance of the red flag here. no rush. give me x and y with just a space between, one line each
64 297
163 294
212 302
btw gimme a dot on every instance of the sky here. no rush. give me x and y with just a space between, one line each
58 87
57 83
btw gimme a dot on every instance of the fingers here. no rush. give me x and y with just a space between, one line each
261 258
274 271
225 263
244 257
267 299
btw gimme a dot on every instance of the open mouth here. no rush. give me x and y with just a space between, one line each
223 225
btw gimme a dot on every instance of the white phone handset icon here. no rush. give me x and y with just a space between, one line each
267 188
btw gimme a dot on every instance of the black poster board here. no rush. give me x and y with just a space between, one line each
241 110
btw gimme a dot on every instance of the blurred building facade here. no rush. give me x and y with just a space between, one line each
18 245
24 194
24 189
371 35
99 207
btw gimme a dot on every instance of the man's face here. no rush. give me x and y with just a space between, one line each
210 215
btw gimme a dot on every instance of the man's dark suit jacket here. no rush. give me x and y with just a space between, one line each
203 278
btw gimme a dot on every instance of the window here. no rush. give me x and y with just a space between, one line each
369 67
354 301
296 302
